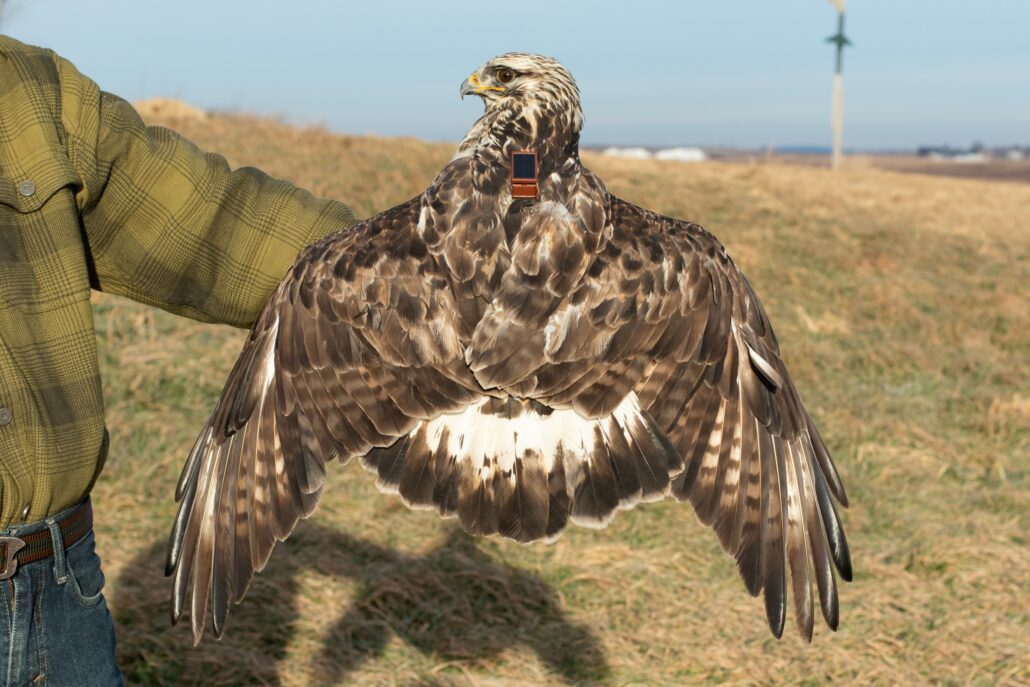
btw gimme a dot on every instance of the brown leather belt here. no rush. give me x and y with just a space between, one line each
15 551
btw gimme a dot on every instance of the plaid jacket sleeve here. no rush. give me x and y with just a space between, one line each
172 226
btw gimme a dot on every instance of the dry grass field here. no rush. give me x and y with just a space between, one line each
1017 171
998 170
902 303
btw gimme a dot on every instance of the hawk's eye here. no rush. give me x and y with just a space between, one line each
505 75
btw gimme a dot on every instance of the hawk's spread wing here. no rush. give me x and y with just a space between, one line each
642 366
355 346
663 312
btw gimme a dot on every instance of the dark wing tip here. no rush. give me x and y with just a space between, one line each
776 611
832 616
839 546
170 559
842 497
843 560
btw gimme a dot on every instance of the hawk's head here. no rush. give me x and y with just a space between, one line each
537 86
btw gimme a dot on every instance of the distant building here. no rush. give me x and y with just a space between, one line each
939 152
1013 153
964 157
974 153
682 154
635 153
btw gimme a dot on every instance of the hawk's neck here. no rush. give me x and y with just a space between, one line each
554 135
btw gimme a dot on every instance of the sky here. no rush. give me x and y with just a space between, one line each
744 73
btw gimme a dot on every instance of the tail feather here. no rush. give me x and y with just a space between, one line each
558 498
596 496
523 516
523 470
624 460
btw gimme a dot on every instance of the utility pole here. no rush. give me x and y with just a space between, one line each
838 85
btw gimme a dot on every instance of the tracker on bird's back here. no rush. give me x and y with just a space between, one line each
517 367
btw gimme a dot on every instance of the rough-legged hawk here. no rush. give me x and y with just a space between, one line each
518 348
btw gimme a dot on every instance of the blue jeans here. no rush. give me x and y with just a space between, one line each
55 628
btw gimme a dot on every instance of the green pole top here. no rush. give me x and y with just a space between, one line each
840 40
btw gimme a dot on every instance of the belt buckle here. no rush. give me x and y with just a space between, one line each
11 546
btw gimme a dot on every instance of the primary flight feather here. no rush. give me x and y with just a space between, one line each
517 363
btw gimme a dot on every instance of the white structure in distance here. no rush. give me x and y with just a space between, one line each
681 154
634 153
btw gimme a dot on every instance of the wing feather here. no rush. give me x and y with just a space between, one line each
771 535
668 316
797 539
352 349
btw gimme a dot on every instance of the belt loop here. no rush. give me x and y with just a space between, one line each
60 564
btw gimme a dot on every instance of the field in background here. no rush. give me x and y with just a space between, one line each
989 170
997 170
901 303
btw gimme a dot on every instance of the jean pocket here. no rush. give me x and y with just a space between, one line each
85 578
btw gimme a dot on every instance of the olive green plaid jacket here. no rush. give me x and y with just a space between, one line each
90 197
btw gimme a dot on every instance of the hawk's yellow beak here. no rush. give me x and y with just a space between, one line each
473 86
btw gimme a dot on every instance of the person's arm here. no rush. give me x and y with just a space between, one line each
169 225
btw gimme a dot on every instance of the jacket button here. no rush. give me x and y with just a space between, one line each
27 187
5 416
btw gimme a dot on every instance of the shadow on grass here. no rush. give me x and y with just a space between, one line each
455 604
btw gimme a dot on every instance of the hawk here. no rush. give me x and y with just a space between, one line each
518 356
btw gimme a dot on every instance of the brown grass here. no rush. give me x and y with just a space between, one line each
901 302
998 170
